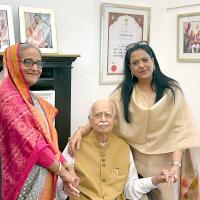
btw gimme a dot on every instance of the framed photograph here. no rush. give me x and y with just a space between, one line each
120 26
48 95
7 37
37 26
188 38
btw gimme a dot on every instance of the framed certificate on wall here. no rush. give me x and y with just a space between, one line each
121 25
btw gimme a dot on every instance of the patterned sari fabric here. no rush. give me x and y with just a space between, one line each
23 131
191 187
189 183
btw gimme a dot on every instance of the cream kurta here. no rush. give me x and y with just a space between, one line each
163 127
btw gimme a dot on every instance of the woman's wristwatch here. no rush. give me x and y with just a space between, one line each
176 163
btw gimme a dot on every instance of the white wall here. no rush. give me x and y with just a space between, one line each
186 73
87 88
172 4
78 32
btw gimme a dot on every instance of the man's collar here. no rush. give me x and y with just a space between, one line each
97 143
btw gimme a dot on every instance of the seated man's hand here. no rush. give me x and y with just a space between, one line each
70 190
161 178
76 180
69 176
71 171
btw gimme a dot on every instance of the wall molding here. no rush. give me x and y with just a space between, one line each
183 6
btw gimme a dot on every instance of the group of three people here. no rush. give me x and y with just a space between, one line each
150 113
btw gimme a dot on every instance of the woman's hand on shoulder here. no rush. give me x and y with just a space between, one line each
75 140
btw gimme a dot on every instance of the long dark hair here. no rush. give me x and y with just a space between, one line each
160 81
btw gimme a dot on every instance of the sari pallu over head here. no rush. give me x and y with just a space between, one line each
23 131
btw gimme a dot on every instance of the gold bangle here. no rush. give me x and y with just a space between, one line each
68 165
59 168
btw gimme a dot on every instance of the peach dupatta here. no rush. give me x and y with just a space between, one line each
160 128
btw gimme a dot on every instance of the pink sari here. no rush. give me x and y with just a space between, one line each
23 132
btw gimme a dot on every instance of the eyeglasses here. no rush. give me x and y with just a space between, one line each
29 63
130 46
99 115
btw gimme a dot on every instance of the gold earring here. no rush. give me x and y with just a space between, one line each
132 75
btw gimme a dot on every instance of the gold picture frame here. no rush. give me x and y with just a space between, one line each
37 26
188 37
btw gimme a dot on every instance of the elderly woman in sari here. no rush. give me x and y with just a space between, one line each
30 155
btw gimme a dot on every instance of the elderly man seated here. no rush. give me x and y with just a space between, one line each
104 163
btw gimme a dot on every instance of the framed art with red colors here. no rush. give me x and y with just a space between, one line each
120 26
38 27
188 37
7 37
